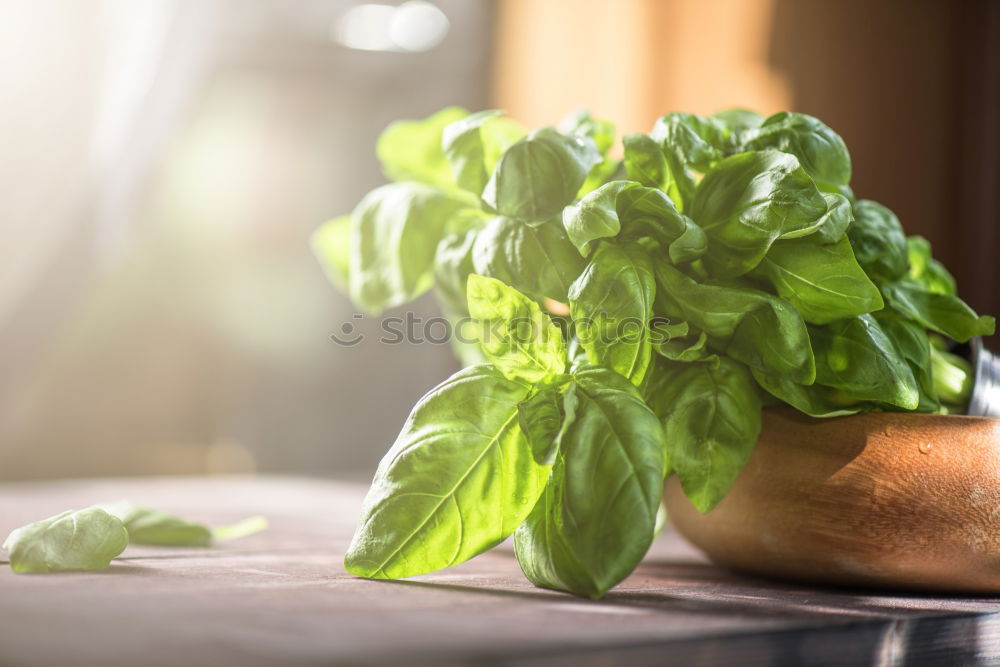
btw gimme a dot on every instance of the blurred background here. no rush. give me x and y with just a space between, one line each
163 163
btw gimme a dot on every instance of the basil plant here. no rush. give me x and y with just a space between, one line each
635 307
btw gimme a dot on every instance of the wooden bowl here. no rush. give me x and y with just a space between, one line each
882 499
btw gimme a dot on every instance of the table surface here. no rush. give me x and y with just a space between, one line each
281 597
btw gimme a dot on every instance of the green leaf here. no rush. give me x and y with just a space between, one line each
944 313
649 213
602 133
750 200
736 124
912 344
761 330
595 216
878 241
636 212
646 164
541 418
458 480
712 416
689 143
537 261
150 526
331 244
539 175
473 146
856 356
687 349
823 281
597 516
394 235
76 540
452 267
410 150
953 378
516 336
821 151
926 270
153 527
814 400
611 304
833 225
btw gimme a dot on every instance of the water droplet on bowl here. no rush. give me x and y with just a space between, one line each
925 447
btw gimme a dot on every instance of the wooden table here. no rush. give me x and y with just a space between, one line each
282 598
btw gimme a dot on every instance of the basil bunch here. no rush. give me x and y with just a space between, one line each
718 265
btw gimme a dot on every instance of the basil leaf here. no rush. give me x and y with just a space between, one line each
878 241
953 378
537 261
539 175
516 336
712 415
754 327
823 281
944 313
473 145
637 212
76 540
820 150
913 345
926 270
689 142
814 400
736 125
595 216
410 150
597 516
832 226
611 304
331 244
688 349
452 267
394 234
150 526
602 133
646 164
855 356
750 200
541 419
458 480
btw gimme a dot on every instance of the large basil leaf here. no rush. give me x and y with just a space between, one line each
517 337
750 200
814 400
820 150
331 244
856 356
759 329
410 150
458 480
711 416
596 519
926 270
537 261
394 235
539 175
944 313
823 281
611 304
84 539
473 146
150 526
878 241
